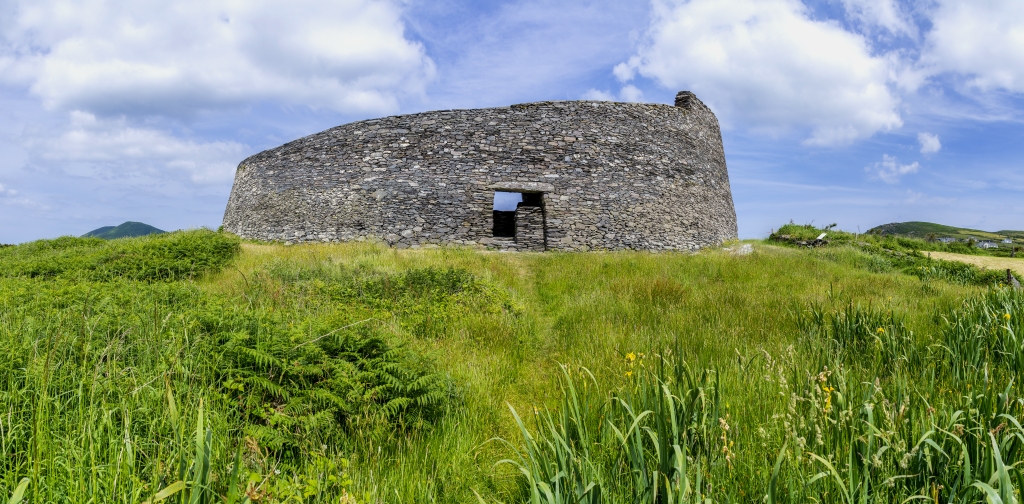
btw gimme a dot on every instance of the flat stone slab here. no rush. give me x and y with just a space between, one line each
533 187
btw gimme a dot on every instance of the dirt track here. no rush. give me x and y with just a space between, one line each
997 263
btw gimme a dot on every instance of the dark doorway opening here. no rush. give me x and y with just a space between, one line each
532 199
504 224
505 204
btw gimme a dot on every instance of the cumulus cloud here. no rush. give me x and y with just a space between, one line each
631 93
889 170
105 148
142 57
929 143
5 192
624 72
983 41
768 65
886 14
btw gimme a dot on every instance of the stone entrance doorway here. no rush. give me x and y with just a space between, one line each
519 219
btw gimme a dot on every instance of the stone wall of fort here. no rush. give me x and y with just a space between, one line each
610 176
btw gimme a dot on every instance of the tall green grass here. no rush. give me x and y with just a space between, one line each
358 373
877 423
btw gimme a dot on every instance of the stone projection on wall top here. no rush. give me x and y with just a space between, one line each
592 176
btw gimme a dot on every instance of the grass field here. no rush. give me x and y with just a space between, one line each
189 367
993 263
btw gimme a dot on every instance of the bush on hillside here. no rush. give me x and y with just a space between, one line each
169 256
796 234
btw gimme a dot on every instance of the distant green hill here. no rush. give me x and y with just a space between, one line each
923 229
1016 235
127 230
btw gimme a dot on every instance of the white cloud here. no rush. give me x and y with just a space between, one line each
144 57
598 95
624 72
929 143
889 170
631 93
766 65
884 13
983 41
5 192
628 93
108 148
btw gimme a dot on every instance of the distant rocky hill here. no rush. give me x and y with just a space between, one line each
126 230
916 229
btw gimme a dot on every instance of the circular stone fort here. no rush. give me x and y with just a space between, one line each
563 175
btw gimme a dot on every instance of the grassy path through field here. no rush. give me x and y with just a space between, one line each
997 263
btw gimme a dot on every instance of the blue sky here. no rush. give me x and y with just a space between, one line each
858 112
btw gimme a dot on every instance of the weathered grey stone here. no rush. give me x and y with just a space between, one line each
522 187
611 176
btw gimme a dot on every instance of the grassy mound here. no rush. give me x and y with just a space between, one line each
169 256
358 373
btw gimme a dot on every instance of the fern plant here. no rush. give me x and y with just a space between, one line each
289 393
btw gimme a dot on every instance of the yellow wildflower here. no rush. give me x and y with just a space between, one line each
631 356
629 373
828 397
1006 317
881 330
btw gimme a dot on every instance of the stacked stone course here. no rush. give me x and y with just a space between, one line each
612 175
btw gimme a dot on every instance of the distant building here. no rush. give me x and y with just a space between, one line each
1007 240
987 245
947 239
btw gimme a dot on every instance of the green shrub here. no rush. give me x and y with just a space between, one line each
790 233
961 248
168 256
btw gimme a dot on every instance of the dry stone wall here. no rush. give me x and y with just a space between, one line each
611 176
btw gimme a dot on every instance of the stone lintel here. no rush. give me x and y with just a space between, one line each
532 187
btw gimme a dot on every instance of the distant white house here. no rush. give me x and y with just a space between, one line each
987 245
1007 240
947 239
